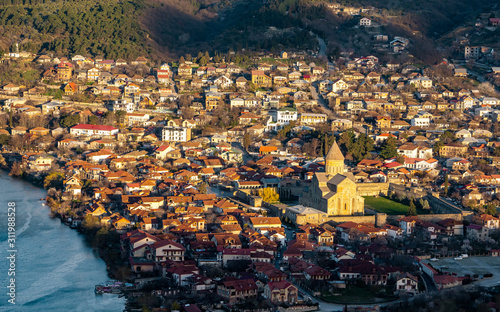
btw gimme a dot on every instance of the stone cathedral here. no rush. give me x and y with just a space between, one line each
334 191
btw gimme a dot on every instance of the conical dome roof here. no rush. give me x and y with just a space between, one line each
335 153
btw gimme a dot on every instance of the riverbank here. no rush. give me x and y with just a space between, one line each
106 243
54 266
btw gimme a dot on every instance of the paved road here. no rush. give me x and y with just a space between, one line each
323 306
213 189
319 99
429 283
477 76
322 47
322 53
313 87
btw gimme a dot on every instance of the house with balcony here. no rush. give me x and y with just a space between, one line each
281 292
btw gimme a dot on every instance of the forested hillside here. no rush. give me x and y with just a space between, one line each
106 28
161 29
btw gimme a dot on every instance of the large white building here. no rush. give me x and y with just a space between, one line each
281 117
414 151
93 130
420 121
176 134
286 115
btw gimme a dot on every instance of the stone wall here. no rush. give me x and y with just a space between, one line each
277 210
409 192
357 219
372 189
434 217
247 197
439 205
298 308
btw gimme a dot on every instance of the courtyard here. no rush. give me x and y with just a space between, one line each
385 205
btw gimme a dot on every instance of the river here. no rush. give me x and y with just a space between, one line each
55 270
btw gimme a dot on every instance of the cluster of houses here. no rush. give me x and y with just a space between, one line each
158 179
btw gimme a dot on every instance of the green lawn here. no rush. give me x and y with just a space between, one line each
385 205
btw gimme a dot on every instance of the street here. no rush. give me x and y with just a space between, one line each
322 53
319 99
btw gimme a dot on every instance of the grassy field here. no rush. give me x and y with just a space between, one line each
385 205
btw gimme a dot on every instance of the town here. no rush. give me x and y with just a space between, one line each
271 182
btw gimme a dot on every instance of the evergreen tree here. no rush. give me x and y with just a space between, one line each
326 145
247 140
446 184
400 159
202 61
491 209
362 147
346 140
389 148
217 58
412 211
424 204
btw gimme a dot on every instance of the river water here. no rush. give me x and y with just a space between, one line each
55 270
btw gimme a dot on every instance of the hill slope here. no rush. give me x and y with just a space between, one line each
162 29
106 28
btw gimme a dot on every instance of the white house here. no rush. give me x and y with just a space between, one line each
420 121
93 130
124 105
284 116
168 250
421 82
365 21
223 82
464 133
176 134
136 119
407 283
485 112
339 85
419 163
237 102
407 224
414 151
393 231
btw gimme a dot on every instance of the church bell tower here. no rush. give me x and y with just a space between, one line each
334 161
